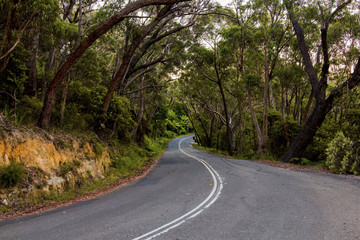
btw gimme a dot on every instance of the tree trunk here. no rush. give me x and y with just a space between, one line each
141 111
211 127
147 122
228 127
64 97
322 104
207 137
48 68
285 118
50 97
32 76
307 108
196 132
124 67
307 132
255 121
262 144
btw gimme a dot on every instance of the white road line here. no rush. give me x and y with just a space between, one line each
213 196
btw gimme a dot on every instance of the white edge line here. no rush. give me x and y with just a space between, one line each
212 193
166 230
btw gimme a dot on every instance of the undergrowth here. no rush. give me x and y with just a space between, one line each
11 175
268 157
126 161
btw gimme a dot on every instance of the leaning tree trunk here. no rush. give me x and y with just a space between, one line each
307 132
50 97
64 94
124 67
322 104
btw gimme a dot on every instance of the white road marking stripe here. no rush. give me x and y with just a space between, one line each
213 196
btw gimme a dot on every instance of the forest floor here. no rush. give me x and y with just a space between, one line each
290 166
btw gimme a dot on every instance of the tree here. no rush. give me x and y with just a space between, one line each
50 97
323 103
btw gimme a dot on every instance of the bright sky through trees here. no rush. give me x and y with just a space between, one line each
224 2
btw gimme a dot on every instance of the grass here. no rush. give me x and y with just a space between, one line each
126 162
267 157
4 209
212 150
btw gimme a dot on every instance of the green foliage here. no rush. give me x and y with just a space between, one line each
301 161
324 135
338 154
75 119
4 209
98 149
29 108
11 175
170 121
14 77
351 123
67 167
11 115
277 141
352 163
253 81
154 148
133 157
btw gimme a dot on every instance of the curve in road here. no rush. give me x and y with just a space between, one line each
213 196
257 202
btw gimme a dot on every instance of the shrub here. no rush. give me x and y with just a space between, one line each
355 157
67 167
338 154
30 109
316 150
11 175
300 161
277 143
98 149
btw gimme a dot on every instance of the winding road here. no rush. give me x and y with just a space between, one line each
194 195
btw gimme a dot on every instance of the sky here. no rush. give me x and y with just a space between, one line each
224 2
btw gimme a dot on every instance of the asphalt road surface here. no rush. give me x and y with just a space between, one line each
194 195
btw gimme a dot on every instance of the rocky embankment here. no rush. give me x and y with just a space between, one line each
52 163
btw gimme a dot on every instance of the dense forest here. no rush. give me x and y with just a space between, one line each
258 78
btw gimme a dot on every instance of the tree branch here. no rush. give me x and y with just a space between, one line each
138 75
310 70
351 83
140 89
339 8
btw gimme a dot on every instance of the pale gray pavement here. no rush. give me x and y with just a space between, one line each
257 202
